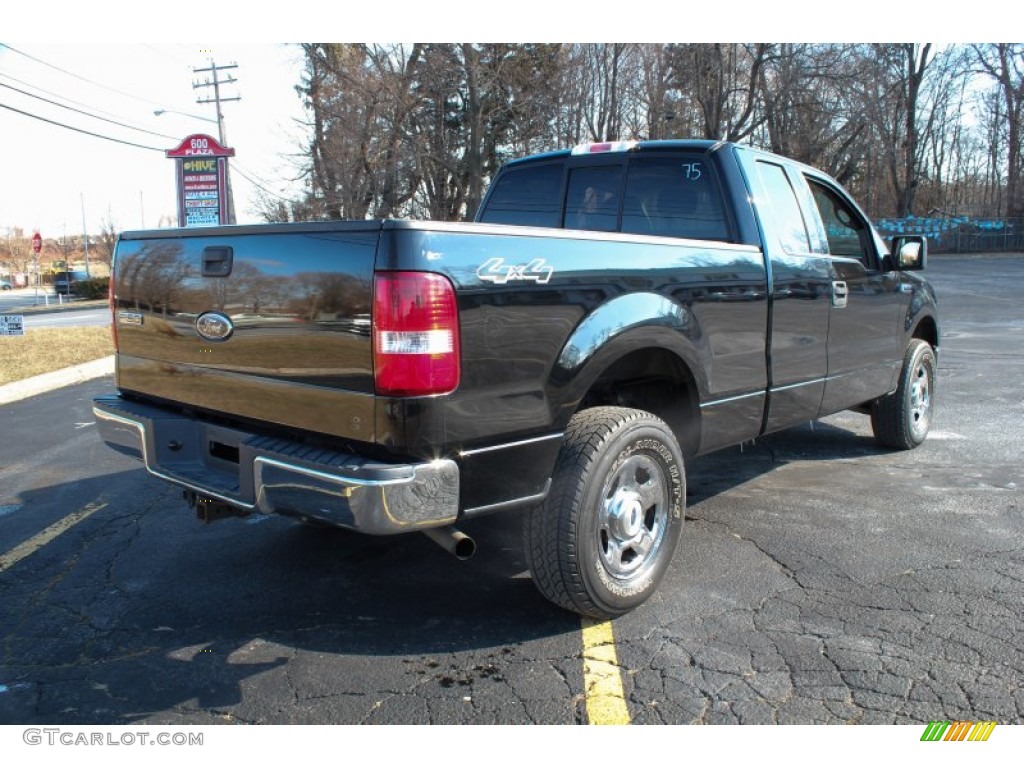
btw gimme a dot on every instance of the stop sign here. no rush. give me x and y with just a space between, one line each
37 242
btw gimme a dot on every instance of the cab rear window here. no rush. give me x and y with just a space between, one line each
665 195
592 201
673 196
528 197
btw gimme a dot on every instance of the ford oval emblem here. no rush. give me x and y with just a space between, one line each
214 326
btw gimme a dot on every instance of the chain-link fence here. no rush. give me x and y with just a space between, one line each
959 234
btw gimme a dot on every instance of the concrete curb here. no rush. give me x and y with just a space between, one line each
47 382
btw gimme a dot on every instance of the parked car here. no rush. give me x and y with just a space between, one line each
65 282
5 286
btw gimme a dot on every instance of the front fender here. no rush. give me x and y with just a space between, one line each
922 310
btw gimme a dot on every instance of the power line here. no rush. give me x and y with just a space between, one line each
73 101
258 177
259 186
87 114
79 130
60 96
79 77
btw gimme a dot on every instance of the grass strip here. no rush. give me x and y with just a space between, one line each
42 350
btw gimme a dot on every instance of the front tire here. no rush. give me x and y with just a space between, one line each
902 419
601 542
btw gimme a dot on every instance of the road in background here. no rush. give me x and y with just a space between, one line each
47 310
68 318
20 298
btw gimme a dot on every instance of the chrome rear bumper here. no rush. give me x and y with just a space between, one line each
273 476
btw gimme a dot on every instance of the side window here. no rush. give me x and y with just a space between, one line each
592 201
673 196
785 209
529 197
847 233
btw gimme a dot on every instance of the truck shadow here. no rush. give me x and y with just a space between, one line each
719 472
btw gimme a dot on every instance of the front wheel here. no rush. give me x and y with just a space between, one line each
902 419
601 542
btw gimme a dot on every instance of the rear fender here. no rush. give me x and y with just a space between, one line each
613 330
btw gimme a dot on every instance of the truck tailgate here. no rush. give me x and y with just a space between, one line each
274 327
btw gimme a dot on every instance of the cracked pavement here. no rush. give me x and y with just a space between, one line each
820 580
831 582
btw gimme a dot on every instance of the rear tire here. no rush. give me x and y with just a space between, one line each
902 419
601 542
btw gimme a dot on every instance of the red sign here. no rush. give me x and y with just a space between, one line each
200 145
37 242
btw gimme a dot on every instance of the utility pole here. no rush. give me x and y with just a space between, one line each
216 82
85 239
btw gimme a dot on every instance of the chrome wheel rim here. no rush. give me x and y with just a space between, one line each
633 518
920 400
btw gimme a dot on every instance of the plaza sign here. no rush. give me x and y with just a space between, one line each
202 172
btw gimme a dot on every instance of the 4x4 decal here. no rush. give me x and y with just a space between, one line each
498 272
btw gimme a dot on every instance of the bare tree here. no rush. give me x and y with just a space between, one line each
1004 63
16 250
945 165
419 129
722 79
106 240
890 96
358 98
805 93
654 81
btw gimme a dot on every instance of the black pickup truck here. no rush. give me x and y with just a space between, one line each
615 310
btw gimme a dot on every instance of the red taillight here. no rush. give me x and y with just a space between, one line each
113 311
415 334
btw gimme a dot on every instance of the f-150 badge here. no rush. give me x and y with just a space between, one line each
498 272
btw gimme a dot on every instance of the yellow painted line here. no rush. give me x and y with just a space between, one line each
44 537
602 679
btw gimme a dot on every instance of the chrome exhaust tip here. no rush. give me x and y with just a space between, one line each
453 541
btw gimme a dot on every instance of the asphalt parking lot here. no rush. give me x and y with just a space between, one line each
820 579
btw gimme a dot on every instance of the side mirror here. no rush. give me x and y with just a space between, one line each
910 252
